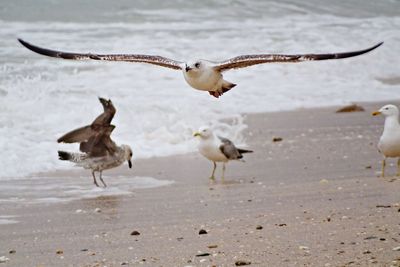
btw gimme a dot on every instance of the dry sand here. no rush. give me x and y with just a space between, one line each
312 199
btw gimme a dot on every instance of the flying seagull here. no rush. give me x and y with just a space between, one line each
99 151
200 74
389 143
218 149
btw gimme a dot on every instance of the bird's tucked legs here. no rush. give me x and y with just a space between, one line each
101 179
214 94
94 179
212 177
223 172
383 167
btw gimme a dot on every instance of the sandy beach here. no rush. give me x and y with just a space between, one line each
312 199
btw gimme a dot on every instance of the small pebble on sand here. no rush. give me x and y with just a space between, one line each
202 232
203 254
277 139
135 233
350 108
242 263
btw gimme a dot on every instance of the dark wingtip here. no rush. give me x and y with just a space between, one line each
357 53
368 49
343 55
36 49
103 100
375 46
47 52
106 103
60 140
26 44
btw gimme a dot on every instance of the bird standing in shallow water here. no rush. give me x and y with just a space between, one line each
100 152
389 143
218 149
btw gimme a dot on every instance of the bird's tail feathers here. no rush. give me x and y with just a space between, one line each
226 86
242 151
73 157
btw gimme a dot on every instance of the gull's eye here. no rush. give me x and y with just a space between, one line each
130 154
197 65
387 108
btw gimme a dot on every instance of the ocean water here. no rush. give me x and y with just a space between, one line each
42 98
50 190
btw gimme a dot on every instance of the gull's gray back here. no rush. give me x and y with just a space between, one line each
228 149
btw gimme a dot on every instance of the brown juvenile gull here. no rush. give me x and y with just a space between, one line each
200 74
99 151
218 149
389 143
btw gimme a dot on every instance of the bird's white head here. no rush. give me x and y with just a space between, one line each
195 67
128 154
387 111
204 133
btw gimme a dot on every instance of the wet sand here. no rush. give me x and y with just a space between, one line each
312 199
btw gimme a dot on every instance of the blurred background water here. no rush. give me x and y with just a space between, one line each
42 98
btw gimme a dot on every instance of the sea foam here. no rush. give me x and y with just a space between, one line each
42 98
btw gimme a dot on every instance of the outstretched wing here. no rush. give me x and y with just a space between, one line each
100 144
155 60
99 125
249 60
106 117
78 135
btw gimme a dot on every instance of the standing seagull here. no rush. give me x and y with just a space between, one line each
200 74
389 143
218 149
100 152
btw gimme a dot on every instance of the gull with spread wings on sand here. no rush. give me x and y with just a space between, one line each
99 151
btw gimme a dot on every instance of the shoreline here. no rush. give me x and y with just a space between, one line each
332 108
282 207
63 171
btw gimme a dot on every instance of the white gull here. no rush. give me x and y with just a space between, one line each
218 149
389 142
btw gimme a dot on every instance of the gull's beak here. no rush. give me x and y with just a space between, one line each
130 164
187 68
196 134
376 113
